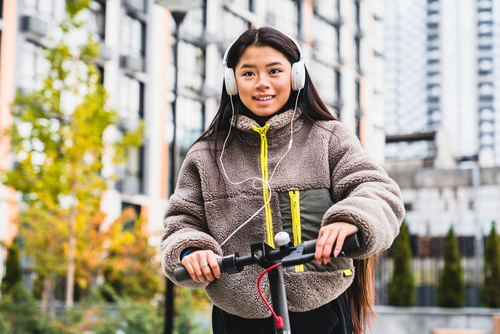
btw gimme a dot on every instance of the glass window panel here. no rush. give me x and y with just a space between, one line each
130 92
97 20
325 38
241 3
192 66
193 23
328 9
190 121
233 25
325 81
132 37
285 14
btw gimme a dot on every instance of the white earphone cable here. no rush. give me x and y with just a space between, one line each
254 178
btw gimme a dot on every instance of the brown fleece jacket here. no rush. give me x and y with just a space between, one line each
324 154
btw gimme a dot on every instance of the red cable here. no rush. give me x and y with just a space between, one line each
279 320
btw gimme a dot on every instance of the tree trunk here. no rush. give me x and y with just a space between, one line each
46 292
70 276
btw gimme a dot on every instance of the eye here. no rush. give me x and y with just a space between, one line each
247 74
275 71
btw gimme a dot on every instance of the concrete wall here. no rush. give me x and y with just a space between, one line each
421 320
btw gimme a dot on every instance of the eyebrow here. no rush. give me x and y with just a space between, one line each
268 65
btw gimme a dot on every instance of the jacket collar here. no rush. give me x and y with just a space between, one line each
277 122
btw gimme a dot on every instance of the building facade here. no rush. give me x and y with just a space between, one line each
343 46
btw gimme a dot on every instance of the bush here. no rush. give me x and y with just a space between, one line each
402 286
491 288
451 289
13 274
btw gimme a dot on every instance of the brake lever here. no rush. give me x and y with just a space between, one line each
297 257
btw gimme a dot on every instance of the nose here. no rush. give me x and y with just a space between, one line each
263 82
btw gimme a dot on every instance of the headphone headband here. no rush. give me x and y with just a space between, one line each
224 59
298 69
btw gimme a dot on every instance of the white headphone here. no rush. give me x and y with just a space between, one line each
298 71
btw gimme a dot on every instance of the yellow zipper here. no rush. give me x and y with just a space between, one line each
265 175
297 231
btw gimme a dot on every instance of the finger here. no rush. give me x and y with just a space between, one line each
207 271
340 243
215 266
198 270
327 250
190 270
320 243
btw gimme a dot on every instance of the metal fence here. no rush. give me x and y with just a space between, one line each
427 264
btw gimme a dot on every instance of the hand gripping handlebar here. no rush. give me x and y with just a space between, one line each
289 255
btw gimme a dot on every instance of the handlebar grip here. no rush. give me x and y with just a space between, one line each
351 242
181 274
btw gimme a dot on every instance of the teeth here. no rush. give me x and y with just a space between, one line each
264 98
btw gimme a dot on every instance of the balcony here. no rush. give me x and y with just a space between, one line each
129 185
133 64
432 44
136 5
105 52
35 26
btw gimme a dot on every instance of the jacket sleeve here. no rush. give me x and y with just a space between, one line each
185 224
363 194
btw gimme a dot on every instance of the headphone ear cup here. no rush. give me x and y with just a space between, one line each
230 81
298 75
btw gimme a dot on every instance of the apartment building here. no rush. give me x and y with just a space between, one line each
343 45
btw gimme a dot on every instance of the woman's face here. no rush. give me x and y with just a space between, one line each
263 76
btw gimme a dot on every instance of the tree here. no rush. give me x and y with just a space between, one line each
491 288
451 289
13 273
58 141
402 286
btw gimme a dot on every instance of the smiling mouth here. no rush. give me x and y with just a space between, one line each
266 98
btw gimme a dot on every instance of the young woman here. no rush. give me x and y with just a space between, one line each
274 159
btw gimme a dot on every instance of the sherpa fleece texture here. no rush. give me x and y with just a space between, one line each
324 154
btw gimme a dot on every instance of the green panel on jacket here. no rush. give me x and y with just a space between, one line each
313 205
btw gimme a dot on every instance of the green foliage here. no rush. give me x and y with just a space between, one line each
20 312
402 286
491 288
190 307
58 141
13 273
451 289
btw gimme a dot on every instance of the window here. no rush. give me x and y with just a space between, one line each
358 109
192 67
357 16
35 66
190 124
193 24
45 9
284 14
133 41
325 78
326 38
131 102
358 55
485 65
485 29
486 89
328 9
233 25
130 174
97 21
